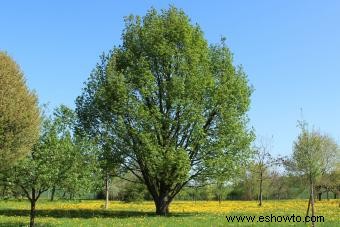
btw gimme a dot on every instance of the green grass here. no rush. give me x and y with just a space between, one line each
90 213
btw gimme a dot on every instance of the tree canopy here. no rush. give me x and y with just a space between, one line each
59 160
172 107
19 114
314 153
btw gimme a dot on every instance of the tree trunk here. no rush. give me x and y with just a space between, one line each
260 196
219 192
52 193
312 203
219 199
33 200
162 206
161 192
327 194
319 196
308 204
195 196
106 192
4 191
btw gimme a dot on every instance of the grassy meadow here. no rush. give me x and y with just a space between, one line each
183 213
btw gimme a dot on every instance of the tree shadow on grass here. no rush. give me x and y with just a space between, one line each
22 224
85 213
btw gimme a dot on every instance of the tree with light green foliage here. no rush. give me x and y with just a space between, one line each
75 158
33 175
173 107
313 155
19 114
58 160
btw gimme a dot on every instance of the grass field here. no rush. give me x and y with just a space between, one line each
183 213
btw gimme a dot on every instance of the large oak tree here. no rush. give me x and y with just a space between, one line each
171 107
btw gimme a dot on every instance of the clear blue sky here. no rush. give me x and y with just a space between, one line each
289 49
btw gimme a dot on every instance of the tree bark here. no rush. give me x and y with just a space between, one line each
260 196
219 199
312 202
4 191
52 193
106 192
32 213
219 193
308 204
162 205
33 200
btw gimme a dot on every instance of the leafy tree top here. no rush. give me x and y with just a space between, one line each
171 107
19 114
